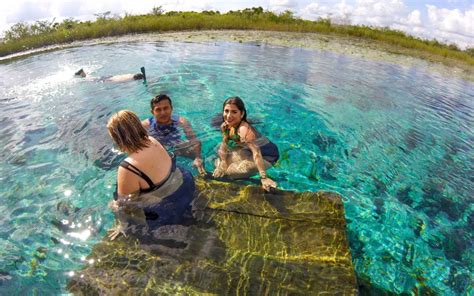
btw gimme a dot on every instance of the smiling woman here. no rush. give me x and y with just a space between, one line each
243 151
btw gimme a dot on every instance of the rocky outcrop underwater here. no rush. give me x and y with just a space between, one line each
240 240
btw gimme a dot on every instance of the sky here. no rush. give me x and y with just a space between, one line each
448 21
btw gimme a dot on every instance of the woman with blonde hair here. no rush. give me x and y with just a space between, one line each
148 178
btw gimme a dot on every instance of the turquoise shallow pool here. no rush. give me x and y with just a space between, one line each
395 142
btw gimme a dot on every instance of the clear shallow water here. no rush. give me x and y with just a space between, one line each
395 142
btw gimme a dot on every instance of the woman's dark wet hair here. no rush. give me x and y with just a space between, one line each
158 99
237 102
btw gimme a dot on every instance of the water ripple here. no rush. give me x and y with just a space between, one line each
396 143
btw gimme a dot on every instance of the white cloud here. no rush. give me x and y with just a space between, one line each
413 25
377 8
367 12
282 5
34 10
315 11
414 18
339 12
379 13
29 10
452 25
185 5
443 24
452 21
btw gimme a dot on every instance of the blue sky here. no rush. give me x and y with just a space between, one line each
450 21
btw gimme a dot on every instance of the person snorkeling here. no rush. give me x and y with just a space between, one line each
116 78
243 152
168 129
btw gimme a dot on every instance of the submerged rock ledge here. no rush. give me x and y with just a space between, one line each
240 240
338 44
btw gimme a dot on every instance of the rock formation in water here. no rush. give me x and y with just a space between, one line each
240 240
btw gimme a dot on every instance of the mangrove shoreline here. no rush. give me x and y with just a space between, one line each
353 46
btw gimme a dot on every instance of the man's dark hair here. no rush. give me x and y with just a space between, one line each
158 99
138 76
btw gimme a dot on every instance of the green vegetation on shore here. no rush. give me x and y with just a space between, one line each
23 37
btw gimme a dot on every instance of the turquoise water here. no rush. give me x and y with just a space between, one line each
395 142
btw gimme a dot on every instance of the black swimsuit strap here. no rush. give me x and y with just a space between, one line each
130 167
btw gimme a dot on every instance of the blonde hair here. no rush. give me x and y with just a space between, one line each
127 131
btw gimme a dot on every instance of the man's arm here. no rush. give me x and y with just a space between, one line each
196 144
146 123
188 130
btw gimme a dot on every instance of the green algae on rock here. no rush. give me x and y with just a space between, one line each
241 240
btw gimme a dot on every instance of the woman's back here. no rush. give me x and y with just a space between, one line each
149 184
165 191
153 161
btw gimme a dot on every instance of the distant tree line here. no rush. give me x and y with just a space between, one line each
23 36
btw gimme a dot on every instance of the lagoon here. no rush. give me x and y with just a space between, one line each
396 142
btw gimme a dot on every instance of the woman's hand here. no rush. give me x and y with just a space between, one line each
121 225
119 229
199 165
221 167
218 172
268 184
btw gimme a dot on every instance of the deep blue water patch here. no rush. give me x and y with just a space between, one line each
395 142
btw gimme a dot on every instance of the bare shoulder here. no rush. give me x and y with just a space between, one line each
244 128
123 174
154 141
246 132
127 182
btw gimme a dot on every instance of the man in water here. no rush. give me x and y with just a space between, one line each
116 78
167 128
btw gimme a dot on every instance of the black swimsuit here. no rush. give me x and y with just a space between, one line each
152 186
269 150
169 209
